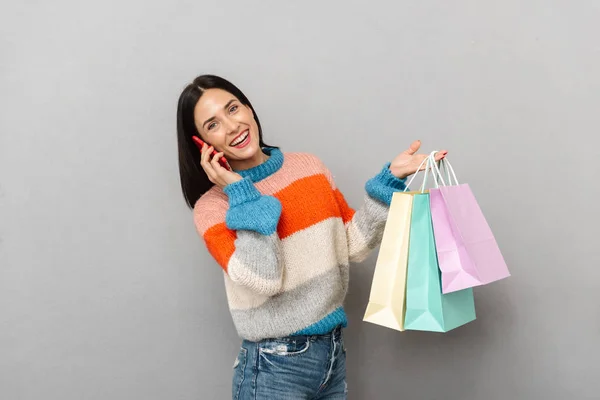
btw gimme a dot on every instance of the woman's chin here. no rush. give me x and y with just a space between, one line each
241 155
246 153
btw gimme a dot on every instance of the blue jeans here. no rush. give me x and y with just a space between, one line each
292 368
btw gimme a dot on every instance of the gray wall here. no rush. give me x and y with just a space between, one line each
106 292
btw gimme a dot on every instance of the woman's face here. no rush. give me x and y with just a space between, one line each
228 125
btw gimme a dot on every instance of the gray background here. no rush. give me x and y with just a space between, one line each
106 292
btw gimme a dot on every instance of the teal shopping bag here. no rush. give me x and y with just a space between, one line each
427 308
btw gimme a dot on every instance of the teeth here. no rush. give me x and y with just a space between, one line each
240 139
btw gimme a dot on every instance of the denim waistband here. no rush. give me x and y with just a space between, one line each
336 333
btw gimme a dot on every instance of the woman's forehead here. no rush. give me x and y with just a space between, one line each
211 102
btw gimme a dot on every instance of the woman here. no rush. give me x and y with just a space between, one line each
284 236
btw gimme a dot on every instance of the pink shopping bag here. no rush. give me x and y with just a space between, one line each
468 254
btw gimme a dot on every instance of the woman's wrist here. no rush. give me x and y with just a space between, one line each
400 173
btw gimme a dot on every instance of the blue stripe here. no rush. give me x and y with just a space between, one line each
327 324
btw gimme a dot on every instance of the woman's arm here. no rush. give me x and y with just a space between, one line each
246 245
365 225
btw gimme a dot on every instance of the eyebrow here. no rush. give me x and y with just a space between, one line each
225 107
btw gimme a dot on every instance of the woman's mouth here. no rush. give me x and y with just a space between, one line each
241 140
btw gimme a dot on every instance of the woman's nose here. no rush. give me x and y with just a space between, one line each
230 125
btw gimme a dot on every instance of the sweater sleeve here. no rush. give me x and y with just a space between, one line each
246 245
365 225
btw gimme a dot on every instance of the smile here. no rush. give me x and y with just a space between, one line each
241 140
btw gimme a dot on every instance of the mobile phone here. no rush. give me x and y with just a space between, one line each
222 160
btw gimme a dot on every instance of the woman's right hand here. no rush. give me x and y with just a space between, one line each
216 173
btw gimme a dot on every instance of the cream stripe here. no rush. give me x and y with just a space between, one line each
304 262
301 262
357 241
293 310
242 297
365 230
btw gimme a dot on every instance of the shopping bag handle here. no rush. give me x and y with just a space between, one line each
444 164
430 165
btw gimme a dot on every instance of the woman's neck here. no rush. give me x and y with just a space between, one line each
258 158
270 162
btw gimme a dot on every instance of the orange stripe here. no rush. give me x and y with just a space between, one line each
220 242
347 211
306 202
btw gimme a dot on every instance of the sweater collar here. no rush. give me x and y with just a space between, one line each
269 167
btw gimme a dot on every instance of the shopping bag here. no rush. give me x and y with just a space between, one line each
468 254
386 302
427 308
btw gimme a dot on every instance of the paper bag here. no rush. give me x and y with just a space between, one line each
386 301
427 308
468 254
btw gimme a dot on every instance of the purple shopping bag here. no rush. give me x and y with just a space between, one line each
468 254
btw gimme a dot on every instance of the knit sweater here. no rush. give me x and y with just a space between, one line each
285 237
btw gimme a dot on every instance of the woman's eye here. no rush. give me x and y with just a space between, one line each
233 109
212 125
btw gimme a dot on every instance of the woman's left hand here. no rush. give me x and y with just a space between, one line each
407 162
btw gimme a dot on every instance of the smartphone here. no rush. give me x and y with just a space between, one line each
222 160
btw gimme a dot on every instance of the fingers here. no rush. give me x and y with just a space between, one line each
218 170
203 154
204 157
440 155
420 157
414 147
215 162
215 171
205 162
228 165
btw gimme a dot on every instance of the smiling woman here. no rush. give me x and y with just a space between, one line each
211 118
284 236
230 128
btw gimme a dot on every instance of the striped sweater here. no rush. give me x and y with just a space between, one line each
284 237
